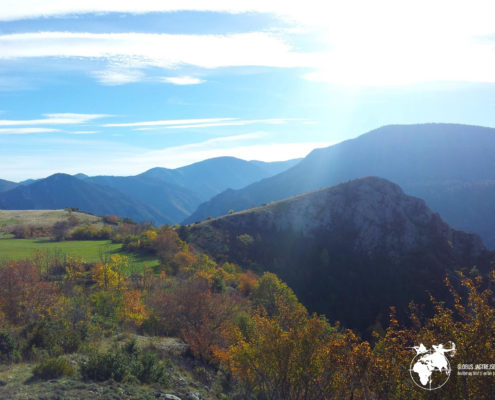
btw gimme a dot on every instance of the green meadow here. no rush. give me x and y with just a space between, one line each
89 250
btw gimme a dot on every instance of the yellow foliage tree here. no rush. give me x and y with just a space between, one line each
110 275
133 310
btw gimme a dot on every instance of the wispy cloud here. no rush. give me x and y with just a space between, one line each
82 132
386 43
55 119
182 80
169 122
22 9
159 50
270 121
25 131
118 77
201 123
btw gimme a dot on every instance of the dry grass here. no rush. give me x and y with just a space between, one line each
41 217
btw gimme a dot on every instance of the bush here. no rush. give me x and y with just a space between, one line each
53 368
111 219
59 230
149 369
55 337
7 347
124 364
104 366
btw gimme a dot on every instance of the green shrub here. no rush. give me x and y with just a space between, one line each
148 369
53 368
56 337
8 348
104 366
124 364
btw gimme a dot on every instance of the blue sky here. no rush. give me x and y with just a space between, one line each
107 87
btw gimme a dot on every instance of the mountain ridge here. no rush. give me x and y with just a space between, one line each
160 195
60 191
7 185
420 158
365 234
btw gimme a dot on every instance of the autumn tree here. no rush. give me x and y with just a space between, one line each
110 275
197 314
133 311
24 296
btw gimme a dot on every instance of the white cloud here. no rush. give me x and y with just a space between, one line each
20 9
233 138
118 77
381 42
25 131
169 122
82 132
270 121
182 80
160 50
200 123
55 119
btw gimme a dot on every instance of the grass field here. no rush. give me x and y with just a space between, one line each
41 217
89 250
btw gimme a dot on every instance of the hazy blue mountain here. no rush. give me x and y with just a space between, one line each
176 193
6 185
63 191
349 251
451 166
210 177
159 195
80 176
171 202
27 181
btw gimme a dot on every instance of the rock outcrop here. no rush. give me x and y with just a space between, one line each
360 244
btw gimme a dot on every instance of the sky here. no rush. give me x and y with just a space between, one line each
119 87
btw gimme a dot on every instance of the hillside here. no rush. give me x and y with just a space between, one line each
6 185
64 191
450 166
349 251
41 217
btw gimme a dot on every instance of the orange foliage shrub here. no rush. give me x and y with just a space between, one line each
247 282
24 296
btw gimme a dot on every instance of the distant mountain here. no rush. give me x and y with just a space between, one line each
171 202
27 181
63 191
159 195
80 176
210 177
349 251
6 185
176 193
451 166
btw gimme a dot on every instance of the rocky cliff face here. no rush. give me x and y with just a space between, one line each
382 217
364 234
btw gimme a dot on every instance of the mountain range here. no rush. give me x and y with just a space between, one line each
349 251
159 195
63 191
450 166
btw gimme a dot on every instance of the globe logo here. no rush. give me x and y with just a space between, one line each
430 368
